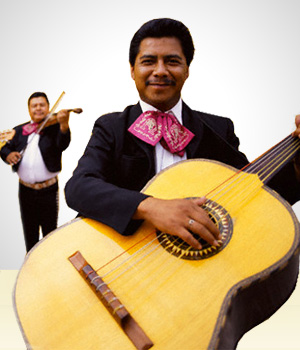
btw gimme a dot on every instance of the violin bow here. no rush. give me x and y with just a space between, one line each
52 110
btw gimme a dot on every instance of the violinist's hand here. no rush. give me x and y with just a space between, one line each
13 158
63 120
174 217
296 133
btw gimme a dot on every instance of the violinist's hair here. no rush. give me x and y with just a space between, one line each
38 94
163 27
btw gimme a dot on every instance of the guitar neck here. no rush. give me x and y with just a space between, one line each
272 161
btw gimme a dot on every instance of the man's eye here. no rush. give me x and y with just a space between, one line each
147 61
174 61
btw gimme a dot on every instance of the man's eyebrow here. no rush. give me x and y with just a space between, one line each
174 56
166 56
147 56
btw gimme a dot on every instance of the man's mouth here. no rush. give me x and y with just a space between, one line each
165 82
39 115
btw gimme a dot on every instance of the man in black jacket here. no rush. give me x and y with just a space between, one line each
36 157
124 153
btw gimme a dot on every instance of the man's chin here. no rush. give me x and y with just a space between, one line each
38 119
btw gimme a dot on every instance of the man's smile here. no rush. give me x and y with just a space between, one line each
165 82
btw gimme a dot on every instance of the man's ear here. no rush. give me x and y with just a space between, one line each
132 72
187 73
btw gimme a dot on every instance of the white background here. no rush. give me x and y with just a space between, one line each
246 67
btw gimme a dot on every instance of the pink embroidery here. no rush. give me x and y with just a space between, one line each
29 128
154 126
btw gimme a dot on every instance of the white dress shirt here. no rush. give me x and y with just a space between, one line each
32 168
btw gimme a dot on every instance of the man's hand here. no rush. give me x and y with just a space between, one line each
63 120
178 217
296 133
13 158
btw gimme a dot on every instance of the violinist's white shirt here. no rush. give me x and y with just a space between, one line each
32 168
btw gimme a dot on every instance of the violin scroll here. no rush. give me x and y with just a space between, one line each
75 110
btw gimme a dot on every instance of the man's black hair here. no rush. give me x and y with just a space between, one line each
38 94
163 27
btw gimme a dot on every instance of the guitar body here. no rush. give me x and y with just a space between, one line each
6 136
180 302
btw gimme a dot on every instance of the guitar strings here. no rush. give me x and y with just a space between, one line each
246 174
247 192
236 179
252 171
279 157
265 172
241 175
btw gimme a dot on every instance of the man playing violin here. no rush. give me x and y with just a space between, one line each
36 157
123 155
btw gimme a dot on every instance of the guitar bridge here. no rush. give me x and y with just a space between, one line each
130 327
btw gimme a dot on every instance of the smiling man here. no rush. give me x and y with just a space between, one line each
159 72
36 157
128 148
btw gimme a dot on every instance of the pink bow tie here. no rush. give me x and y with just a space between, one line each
29 128
154 126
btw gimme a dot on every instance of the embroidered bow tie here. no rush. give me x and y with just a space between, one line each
153 127
28 129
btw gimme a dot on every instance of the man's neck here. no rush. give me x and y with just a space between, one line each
176 110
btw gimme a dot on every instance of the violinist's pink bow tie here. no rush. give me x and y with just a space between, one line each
29 128
154 126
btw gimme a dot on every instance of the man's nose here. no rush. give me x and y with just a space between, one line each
160 69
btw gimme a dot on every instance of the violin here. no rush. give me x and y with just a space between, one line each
53 117
50 119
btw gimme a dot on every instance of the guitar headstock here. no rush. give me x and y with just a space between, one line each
6 136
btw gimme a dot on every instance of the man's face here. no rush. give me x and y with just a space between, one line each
160 71
38 108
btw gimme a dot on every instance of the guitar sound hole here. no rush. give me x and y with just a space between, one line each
179 248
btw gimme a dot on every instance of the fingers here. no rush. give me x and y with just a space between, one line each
207 230
63 119
63 115
202 227
13 158
180 217
201 224
186 236
296 133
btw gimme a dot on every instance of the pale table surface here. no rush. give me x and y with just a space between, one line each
281 331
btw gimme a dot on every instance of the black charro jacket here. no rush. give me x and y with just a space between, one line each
52 143
116 165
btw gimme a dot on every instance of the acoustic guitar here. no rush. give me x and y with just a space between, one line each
84 286
6 136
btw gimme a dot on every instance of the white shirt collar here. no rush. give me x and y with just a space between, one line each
176 110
